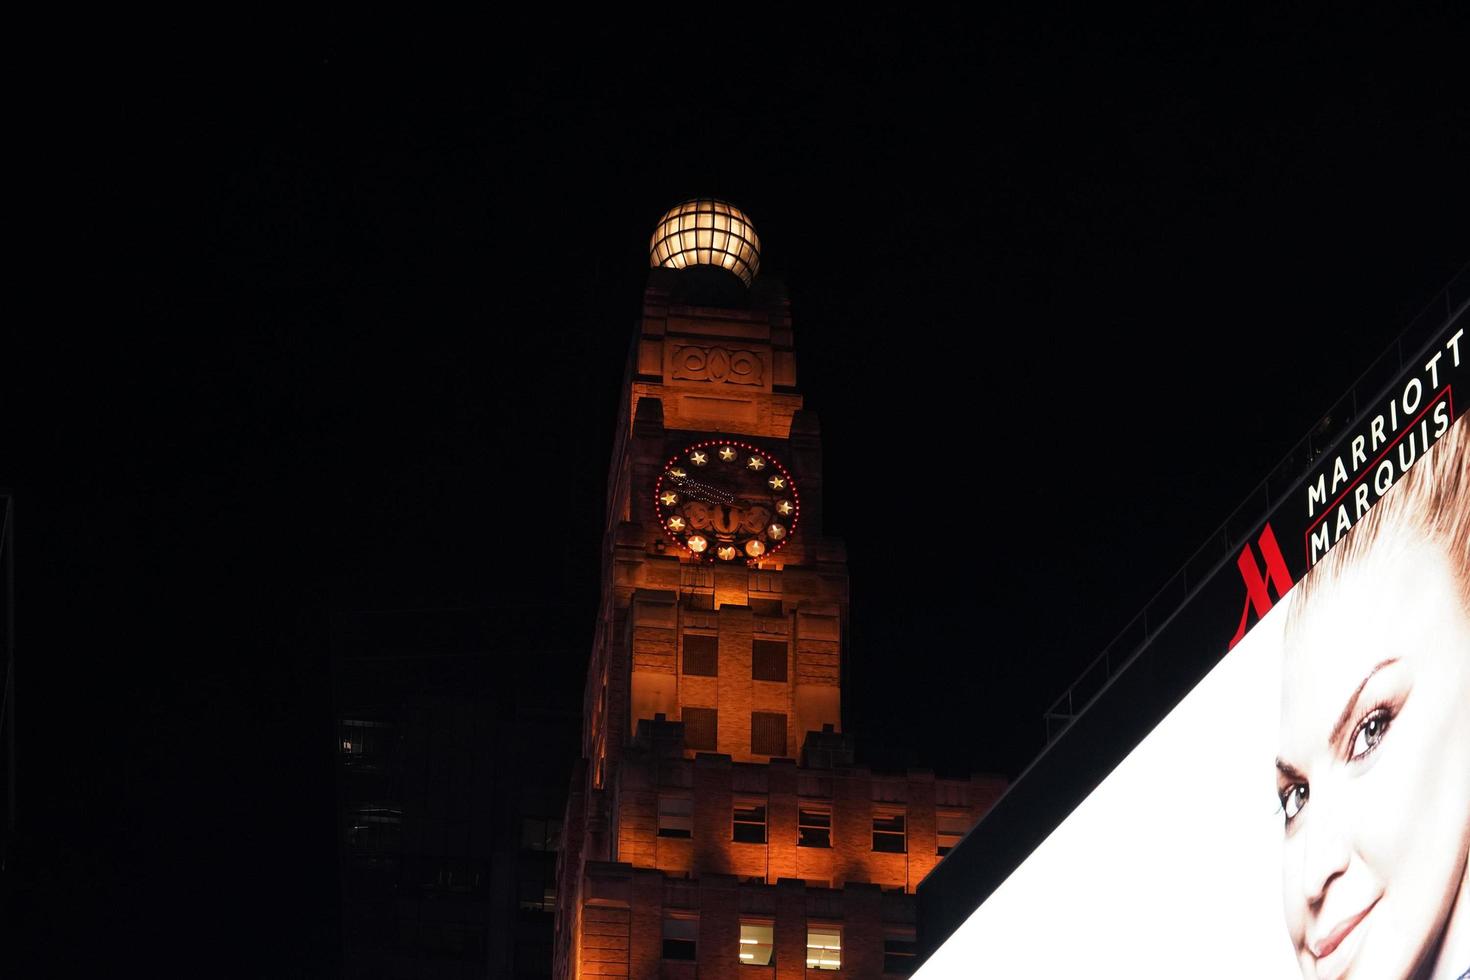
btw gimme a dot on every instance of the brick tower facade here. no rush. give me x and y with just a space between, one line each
717 825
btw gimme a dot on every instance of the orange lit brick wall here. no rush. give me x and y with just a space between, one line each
661 623
714 784
626 907
716 369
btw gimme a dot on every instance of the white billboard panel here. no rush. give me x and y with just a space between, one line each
1305 810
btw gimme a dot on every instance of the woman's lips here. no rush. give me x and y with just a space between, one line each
1326 944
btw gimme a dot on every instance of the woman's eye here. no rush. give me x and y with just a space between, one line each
1369 733
1293 800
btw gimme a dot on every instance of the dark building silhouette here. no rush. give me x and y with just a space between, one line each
451 780
7 697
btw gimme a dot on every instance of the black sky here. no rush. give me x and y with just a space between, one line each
1063 292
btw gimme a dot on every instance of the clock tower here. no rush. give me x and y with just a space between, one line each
718 820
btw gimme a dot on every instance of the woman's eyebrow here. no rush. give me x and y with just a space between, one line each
1352 702
1291 772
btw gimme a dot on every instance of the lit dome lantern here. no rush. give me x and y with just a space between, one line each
705 231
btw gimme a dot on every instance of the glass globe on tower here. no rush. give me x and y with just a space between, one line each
706 231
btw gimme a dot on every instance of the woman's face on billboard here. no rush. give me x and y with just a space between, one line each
1374 770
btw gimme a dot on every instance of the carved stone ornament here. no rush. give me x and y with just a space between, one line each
718 365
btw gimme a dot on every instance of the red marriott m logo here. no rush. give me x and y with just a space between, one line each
1257 596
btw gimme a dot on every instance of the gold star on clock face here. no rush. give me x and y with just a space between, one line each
776 531
698 458
777 483
784 507
697 543
756 463
727 453
669 499
754 548
726 553
676 523
678 473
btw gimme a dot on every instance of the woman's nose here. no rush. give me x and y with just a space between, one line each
1325 852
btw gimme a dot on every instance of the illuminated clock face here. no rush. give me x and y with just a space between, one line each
726 501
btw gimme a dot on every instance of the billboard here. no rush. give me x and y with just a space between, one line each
1304 809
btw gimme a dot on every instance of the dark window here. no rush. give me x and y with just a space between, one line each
898 956
448 941
701 655
463 876
540 833
467 877
750 823
680 936
375 828
536 883
368 746
765 607
888 833
814 826
767 733
768 662
675 816
701 727
949 828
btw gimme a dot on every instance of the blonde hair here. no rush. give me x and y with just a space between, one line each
1432 498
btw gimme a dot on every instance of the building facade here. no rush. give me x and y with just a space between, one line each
718 823
450 790
7 696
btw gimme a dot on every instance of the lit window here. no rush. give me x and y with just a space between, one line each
949 828
750 823
823 948
679 938
757 945
888 833
899 954
675 816
814 826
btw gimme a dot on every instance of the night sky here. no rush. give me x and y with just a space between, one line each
334 319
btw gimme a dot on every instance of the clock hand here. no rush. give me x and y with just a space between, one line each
703 491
